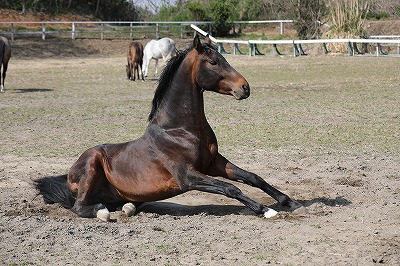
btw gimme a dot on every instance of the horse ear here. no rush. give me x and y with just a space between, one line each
197 44
207 40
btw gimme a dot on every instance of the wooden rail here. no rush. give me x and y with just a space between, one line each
99 29
281 23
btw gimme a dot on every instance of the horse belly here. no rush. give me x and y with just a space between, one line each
139 183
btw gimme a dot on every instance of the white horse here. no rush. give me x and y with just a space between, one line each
155 49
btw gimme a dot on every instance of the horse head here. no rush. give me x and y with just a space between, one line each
214 73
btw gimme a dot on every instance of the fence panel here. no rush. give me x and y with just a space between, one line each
99 29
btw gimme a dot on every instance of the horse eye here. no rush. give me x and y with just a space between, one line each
212 62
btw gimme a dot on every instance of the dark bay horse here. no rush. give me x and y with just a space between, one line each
135 60
5 55
177 153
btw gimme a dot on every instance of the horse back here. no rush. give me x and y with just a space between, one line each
162 48
139 52
135 52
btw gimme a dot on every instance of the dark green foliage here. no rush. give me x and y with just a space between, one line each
103 9
222 13
377 15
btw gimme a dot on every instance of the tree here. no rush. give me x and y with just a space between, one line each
222 13
308 16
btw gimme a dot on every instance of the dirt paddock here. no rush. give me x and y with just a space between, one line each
324 129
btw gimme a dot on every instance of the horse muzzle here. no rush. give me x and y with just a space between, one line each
242 93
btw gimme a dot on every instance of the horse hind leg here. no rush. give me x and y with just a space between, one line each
135 71
156 64
87 178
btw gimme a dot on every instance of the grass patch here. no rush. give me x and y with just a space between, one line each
308 105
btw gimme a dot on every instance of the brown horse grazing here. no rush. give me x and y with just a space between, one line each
5 55
177 153
135 60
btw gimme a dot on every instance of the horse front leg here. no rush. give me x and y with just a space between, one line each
226 169
197 181
146 65
141 70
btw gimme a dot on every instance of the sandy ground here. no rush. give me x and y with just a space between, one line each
353 201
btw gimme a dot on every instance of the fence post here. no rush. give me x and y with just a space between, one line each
157 31
73 30
181 31
43 31
378 49
130 31
12 31
282 28
350 49
101 31
324 49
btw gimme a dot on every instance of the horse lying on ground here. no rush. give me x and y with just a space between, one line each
5 55
135 60
177 153
155 49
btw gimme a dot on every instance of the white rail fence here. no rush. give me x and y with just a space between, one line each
112 29
297 45
98 29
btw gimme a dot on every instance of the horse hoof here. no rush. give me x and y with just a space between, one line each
270 213
129 209
103 214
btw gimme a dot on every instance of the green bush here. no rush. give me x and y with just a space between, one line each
222 14
377 15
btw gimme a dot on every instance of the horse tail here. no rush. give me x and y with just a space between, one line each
54 189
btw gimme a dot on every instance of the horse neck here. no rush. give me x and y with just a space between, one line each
183 103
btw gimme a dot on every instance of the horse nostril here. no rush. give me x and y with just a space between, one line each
246 88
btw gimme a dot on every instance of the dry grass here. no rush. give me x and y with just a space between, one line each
312 105
346 21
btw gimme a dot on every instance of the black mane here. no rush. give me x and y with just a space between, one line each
165 79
